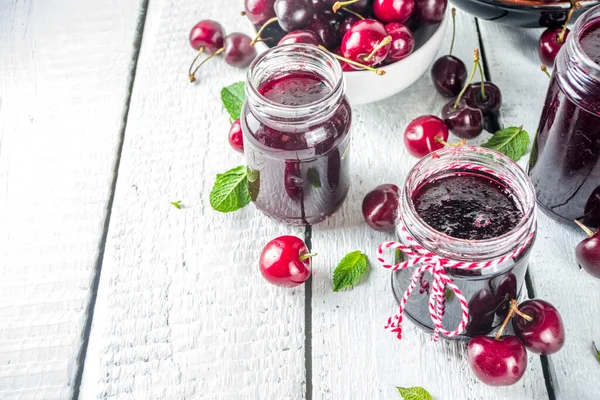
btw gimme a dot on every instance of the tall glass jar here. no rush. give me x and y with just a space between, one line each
487 290
565 159
296 124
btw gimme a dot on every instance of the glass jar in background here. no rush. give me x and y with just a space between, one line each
487 290
296 126
565 159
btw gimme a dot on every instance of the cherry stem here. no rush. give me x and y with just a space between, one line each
379 72
386 40
216 53
585 228
309 255
243 13
190 74
464 89
561 37
453 29
260 31
545 69
513 309
457 144
483 96
349 11
340 4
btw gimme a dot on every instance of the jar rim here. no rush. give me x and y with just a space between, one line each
296 49
492 247
580 27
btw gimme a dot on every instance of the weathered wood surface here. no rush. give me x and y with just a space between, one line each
182 310
514 66
64 75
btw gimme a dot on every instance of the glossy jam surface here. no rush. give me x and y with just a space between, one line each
467 206
302 170
565 160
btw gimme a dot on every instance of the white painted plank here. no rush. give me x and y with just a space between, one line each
353 356
182 310
64 74
514 67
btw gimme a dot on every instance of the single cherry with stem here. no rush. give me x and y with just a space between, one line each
393 10
301 36
285 261
462 119
379 207
362 7
291 15
237 52
449 72
236 139
206 35
502 360
552 39
587 251
367 42
402 44
430 11
423 135
487 97
259 11
545 332
328 34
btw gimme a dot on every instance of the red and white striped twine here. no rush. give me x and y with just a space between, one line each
417 255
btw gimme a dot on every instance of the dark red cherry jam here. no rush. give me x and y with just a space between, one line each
296 139
565 159
467 206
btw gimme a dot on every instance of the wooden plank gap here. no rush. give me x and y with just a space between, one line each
89 312
483 58
308 321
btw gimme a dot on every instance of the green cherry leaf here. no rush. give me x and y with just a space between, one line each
512 142
230 191
233 97
414 393
353 267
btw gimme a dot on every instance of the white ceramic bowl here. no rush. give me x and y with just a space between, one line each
364 87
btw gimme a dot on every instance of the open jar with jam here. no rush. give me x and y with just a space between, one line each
296 126
473 211
565 159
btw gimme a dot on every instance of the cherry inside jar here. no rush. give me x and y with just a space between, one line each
468 205
565 159
296 124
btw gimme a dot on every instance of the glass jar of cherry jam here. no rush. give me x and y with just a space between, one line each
565 159
467 204
296 125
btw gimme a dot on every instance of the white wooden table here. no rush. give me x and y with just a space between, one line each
108 291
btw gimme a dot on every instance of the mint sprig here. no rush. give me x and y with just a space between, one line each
233 97
414 393
512 142
230 191
176 204
353 267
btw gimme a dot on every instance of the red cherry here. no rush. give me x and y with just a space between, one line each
497 362
379 207
587 252
430 11
545 334
347 24
238 52
301 36
402 44
207 34
393 10
420 134
549 44
285 261
367 42
235 136
259 11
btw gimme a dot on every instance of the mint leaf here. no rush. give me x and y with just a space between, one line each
512 142
596 350
233 97
414 393
177 204
230 192
350 270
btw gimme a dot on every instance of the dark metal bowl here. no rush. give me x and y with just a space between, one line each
524 13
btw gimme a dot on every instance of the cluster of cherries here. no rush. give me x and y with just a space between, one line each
362 34
208 36
553 38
